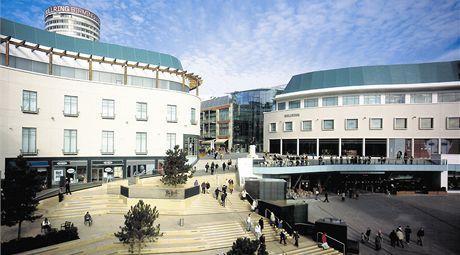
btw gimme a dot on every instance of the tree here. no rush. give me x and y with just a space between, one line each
244 246
177 171
19 189
139 227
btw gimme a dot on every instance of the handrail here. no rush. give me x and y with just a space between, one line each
343 245
287 223
242 219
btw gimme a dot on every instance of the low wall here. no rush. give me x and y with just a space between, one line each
405 193
437 193
153 192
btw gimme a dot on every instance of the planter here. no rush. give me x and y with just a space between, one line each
437 193
405 193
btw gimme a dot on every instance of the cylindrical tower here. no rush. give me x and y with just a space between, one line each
73 21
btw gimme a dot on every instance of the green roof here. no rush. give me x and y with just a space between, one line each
63 42
375 75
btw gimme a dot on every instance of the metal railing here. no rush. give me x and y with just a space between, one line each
284 222
329 237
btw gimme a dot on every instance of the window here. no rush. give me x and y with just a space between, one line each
372 99
107 142
193 116
71 106
420 98
29 101
171 113
288 126
306 125
310 102
351 124
395 99
400 123
281 106
141 143
328 124
272 127
330 101
141 111
223 114
70 141
453 123
426 123
108 109
294 104
350 100
170 140
29 141
223 129
375 123
446 97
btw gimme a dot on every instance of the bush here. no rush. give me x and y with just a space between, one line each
39 241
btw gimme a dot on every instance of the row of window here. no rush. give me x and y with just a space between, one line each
71 21
374 124
29 142
370 99
29 105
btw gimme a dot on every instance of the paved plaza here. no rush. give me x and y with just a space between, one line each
438 215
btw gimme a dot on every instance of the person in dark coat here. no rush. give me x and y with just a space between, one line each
326 199
282 237
224 166
206 166
420 235
217 193
393 238
67 186
368 234
296 238
408 231
378 240
212 168
261 224
223 197
203 187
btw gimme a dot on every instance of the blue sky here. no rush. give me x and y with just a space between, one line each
238 45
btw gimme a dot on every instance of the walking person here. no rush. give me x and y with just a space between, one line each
393 238
400 236
378 241
258 231
368 234
408 231
343 196
212 168
203 187
231 186
223 197
224 166
326 199
217 193
316 194
67 186
272 218
208 186
296 238
248 223
206 166
261 224
324 244
420 235
283 237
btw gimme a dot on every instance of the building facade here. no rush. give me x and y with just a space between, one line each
73 21
89 110
378 112
236 120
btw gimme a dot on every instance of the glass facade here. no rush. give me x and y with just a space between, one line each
248 109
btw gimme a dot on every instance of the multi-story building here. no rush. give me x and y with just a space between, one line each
87 110
73 21
379 112
236 120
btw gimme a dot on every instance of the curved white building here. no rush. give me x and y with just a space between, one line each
379 112
89 110
73 21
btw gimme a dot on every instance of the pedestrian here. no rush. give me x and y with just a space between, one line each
408 231
231 186
261 224
224 188
272 218
296 238
203 187
208 186
195 183
254 205
248 223
280 224
222 197
400 236
326 199
215 155
393 238
258 231
217 193
363 238
317 194
217 166
212 169
420 235
206 166
229 163
343 196
378 242
243 194
224 166
368 234
262 239
324 244
67 186
283 237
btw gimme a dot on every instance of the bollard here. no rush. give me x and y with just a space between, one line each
181 222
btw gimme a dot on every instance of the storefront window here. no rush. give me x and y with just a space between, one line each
376 147
400 147
424 148
307 147
329 147
450 146
352 147
275 146
290 146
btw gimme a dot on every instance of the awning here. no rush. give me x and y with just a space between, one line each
220 141
207 142
38 163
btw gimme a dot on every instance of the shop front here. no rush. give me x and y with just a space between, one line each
140 167
106 170
75 170
42 169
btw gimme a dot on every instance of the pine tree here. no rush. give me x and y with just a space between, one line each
139 227
244 246
176 169
19 189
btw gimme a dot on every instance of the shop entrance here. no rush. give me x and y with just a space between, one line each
96 174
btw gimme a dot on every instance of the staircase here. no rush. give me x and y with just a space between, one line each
311 250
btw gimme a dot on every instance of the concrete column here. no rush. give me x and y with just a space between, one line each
388 147
439 145
157 82
125 75
183 83
197 86
90 64
364 147
7 53
50 63
340 147
317 147
444 179
297 146
412 147
281 146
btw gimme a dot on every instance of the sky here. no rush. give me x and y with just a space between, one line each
240 45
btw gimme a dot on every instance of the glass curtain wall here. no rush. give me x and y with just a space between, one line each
352 147
328 147
307 147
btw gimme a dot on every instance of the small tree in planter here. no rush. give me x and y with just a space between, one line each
19 189
244 246
139 227
176 169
